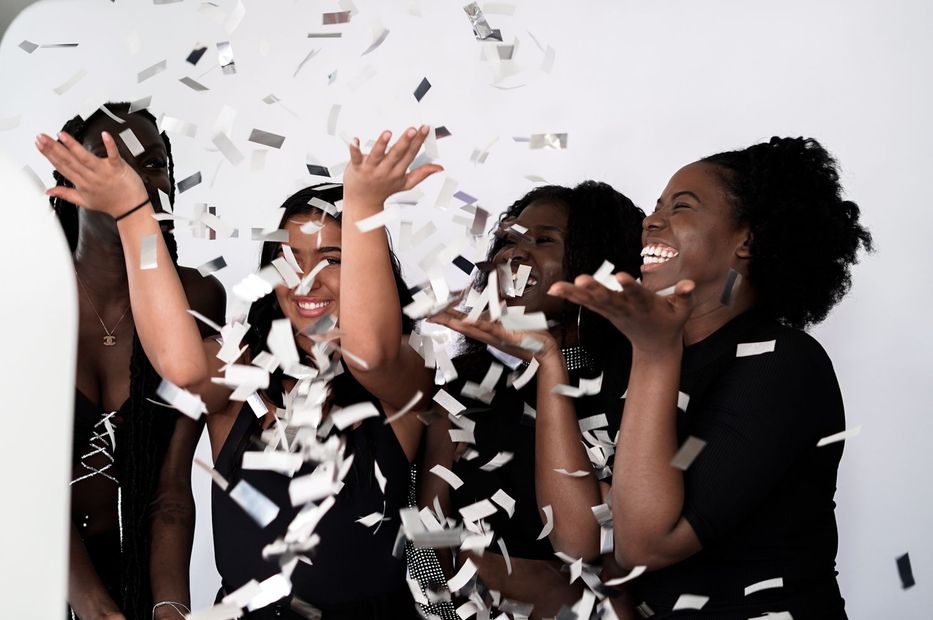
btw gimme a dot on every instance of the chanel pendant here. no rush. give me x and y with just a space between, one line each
110 340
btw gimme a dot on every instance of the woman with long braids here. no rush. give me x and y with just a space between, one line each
340 567
132 508
547 471
722 488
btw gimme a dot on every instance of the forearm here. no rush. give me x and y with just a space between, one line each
171 534
648 493
559 445
167 332
87 594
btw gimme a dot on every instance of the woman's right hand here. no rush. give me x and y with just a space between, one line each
105 184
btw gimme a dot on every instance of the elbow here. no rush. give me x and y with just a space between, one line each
586 550
628 556
185 373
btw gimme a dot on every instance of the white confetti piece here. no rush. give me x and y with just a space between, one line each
593 422
448 402
548 521
147 253
497 461
349 416
683 400
379 36
462 577
224 611
283 462
272 589
176 125
235 17
205 320
266 138
378 220
132 143
747 349
526 375
212 266
332 118
840 436
181 399
555 141
225 57
259 507
461 435
148 72
505 555
228 149
371 519
579 473
767 584
193 84
690 601
604 276
448 476
478 511
189 182
687 453
287 272
244 594
70 82
586 387
505 501
407 408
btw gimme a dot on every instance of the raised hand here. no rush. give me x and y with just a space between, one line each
650 321
493 333
105 184
370 179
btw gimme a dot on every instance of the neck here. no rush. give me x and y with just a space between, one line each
710 314
99 258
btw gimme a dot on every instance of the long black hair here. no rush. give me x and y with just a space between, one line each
147 429
266 310
805 236
602 224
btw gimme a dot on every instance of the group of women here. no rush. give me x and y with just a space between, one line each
663 418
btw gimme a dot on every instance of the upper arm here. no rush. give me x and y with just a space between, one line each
206 295
438 450
397 383
175 474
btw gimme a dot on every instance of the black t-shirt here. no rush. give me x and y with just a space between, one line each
760 494
504 426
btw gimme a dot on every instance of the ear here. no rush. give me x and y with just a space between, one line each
745 249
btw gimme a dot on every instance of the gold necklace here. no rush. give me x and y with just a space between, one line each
109 339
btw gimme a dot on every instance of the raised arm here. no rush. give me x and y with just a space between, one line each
166 330
370 310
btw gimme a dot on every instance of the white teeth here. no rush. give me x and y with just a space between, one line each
306 305
662 253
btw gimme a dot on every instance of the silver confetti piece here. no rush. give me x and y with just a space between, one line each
212 266
422 89
28 46
225 57
132 143
325 35
193 84
189 182
339 17
377 41
148 72
175 125
147 253
74 79
259 507
687 453
266 138
140 104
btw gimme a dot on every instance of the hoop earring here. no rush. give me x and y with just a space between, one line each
580 325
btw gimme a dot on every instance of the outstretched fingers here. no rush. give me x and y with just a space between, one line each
378 152
61 159
77 150
68 194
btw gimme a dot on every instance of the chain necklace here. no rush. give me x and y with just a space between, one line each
109 338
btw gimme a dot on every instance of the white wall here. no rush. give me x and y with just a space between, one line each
642 88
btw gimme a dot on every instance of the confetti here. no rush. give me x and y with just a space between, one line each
339 17
148 72
181 399
266 138
28 46
462 577
371 519
422 89
593 422
497 461
548 521
284 462
448 476
244 594
378 39
587 387
448 402
193 84
195 55
176 125
332 119
481 28
70 82
228 149
604 276
325 35
304 60
905 571
235 17
132 142
224 611
690 601
555 141
687 453
147 253
225 57
840 436
579 473
189 182
747 349
260 508
767 584
505 555
505 501
212 266
733 280
8 123
526 375
349 416
478 511
683 400
383 218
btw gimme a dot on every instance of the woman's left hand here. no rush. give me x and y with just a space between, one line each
650 321
493 333
370 179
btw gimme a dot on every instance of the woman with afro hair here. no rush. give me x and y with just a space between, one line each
720 488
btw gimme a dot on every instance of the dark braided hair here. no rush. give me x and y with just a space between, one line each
602 224
266 310
147 429
804 236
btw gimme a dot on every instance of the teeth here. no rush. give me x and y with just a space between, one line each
306 305
657 253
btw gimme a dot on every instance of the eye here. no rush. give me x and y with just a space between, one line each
155 164
332 260
544 239
681 205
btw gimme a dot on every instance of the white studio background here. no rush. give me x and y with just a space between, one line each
641 88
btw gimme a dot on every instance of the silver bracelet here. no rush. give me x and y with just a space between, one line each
174 605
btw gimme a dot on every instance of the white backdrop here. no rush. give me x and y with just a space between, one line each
641 88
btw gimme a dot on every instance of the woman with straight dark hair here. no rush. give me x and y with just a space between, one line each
722 487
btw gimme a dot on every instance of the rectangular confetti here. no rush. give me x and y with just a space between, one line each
148 72
747 349
687 453
189 182
338 17
905 571
67 85
422 89
462 577
212 266
147 253
840 436
132 143
447 476
225 57
767 584
548 522
349 416
266 138
193 84
448 402
260 508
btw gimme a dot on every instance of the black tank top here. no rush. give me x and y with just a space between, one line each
351 562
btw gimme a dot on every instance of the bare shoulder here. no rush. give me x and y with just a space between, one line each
205 295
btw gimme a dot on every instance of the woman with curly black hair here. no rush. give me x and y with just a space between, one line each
720 488
554 471
131 502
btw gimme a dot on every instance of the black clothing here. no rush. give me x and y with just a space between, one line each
503 426
760 494
353 565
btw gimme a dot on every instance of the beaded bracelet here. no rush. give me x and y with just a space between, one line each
133 210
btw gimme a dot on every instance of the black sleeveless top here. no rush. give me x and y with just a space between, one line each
351 562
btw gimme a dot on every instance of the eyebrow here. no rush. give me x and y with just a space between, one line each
328 248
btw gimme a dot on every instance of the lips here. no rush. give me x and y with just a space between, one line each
312 307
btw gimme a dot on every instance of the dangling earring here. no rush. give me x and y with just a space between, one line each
579 325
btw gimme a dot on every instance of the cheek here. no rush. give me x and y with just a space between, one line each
281 294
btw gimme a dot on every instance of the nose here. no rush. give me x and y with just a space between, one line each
654 221
517 251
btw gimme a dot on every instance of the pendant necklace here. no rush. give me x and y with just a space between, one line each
109 338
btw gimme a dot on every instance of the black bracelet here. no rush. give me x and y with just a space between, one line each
133 210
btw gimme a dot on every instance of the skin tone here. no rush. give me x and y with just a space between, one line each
558 442
109 181
694 229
